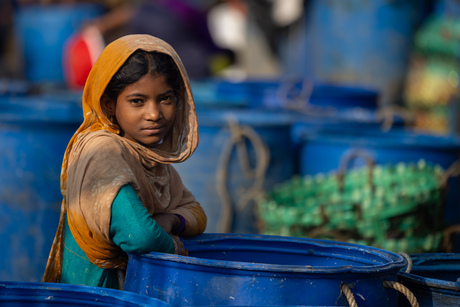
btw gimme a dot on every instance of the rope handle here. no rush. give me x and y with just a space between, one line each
452 171
401 288
387 115
344 165
387 284
409 261
238 136
299 101
349 295
447 237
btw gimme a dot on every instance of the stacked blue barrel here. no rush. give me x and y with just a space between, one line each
38 116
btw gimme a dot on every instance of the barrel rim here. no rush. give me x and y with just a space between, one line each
76 292
433 283
255 118
394 261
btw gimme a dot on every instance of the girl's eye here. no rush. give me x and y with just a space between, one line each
136 101
167 99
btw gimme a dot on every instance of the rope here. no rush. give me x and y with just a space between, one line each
447 239
349 295
409 261
452 171
399 287
238 136
298 102
387 114
346 160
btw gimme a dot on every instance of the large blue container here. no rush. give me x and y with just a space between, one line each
256 270
447 8
285 94
34 132
434 280
20 294
41 32
215 173
321 105
323 152
358 42
13 87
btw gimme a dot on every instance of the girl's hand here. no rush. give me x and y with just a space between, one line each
179 246
167 221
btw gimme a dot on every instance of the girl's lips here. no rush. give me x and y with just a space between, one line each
153 129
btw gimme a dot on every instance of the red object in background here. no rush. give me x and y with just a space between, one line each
80 52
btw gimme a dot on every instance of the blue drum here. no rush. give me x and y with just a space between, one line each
258 270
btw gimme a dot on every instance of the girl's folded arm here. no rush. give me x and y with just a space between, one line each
133 229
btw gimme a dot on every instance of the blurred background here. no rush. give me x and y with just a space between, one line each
331 119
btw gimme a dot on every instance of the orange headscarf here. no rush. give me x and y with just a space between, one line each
101 162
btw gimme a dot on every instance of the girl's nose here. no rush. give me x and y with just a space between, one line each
152 112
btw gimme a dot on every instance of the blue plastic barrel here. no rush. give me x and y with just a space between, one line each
358 42
447 8
321 105
34 132
283 94
434 280
206 95
13 87
258 270
19 294
41 32
217 173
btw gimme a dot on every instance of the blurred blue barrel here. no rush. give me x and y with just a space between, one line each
34 132
217 173
322 152
364 42
19 294
321 105
434 280
41 32
277 94
13 87
447 8
257 270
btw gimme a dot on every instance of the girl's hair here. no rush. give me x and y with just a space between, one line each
141 63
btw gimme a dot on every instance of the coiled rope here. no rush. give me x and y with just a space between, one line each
238 136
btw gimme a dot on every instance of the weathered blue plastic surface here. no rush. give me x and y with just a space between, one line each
365 43
434 280
18 294
280 94
13 87
41 32
258 270
34 132
199 172
448 8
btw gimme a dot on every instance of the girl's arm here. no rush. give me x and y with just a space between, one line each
133 228
193 214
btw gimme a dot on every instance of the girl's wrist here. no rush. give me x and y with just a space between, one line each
179 227
176 248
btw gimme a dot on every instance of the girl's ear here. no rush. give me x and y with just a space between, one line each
108 105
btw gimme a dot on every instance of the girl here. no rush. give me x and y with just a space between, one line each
120 192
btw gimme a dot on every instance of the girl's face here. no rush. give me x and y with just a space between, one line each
145 110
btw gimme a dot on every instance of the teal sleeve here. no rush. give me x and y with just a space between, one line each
133 228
